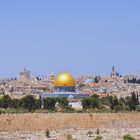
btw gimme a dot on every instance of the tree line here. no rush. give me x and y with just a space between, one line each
134 81
129 103
94 102
27 102
31 104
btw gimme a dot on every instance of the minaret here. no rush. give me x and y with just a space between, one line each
52 78
113 73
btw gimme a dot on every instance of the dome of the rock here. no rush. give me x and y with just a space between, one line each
64 79
64 82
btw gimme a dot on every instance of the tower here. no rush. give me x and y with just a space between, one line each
113 73
24 75
52 79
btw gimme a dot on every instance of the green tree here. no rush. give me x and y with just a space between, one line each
63 102
109 101
6 101
86 103
94 96
0 102
114 102
28 102
91 102
16 103
127 100
122 101
97 79
95 102
105 101
49 103
137 98
133 101
118 108
38 103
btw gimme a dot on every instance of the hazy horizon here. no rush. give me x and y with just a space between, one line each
81 37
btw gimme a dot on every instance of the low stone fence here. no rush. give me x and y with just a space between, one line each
55 121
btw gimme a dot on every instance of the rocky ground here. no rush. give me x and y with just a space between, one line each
82 134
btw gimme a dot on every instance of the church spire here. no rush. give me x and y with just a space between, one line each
113 73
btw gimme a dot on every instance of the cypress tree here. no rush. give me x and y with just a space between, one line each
134 101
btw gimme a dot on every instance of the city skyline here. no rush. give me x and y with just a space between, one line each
77 36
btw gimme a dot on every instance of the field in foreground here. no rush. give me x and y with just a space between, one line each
112 126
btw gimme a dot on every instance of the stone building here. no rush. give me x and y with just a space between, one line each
24 75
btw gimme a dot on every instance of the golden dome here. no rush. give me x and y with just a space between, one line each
64 79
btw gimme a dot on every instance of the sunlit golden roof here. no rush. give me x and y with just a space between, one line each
64 79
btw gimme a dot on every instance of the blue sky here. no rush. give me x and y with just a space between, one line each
79 36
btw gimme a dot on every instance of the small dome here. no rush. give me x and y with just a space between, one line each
64 79
70 97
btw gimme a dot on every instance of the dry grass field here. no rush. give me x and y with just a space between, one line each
32 126
61 121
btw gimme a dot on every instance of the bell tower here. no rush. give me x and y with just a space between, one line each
113 73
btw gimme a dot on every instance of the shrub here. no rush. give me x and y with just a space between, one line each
98 138
68 109
138 108
128 137
90 133
118 108
98 131
69 137
47 133
2 111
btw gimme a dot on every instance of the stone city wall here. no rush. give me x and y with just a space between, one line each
55 121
